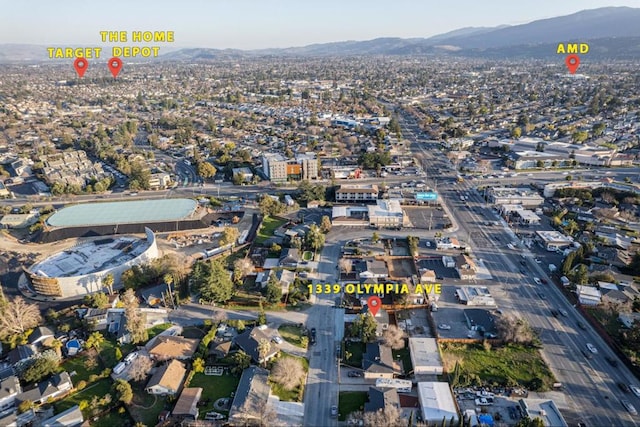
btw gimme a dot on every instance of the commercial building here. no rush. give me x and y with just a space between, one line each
475 295
79 270
425 356
550 189
554 240
437 402
465 267
386 213
513 196
279 169
516 213
357 193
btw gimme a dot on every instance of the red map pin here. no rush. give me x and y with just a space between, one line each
115 65
573 62
374 304
81 65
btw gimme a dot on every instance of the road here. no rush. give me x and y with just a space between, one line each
590 385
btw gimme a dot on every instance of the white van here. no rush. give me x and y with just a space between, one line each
130 357
119 368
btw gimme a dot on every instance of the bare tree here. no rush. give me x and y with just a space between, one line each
264 347
242 268
17 316
288 372
514 329
393 337
389 417
140 367
219 317
346 265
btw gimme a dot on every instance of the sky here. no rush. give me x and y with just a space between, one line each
257 24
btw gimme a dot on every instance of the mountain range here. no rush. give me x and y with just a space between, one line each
612 32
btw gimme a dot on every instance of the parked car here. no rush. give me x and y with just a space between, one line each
277 340
624 387
444 326
355 374
334 411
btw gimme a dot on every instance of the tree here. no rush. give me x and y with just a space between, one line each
273 292
25 406
516 132
412 243
288 372
241 360
95 340
107 281
389 416
345 265
17 316
364 327
140 368
206 170
41 368
242 268
315 238
135 320
325 224
514 329
125 393
393 337
198 365
214 283
581 275
97 300
264 347
229 236
375 237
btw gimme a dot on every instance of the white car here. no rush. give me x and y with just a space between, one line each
277 340
635 390
538 282
444 326
591 348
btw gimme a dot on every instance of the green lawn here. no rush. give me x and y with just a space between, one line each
214 388
350 401
508 366
357 350
145 407
99 388
297 394
77 364
108 352
193 332
292 334
269 225
404 356
113 418
156 329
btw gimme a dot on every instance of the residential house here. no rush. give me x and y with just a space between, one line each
290 257
381 398
9 390
96 318
21 353
72 417
116 325
250 401
40 335
427 275
187 404
249 342
588 295
372 269
285 278
377 362
56 386
220 348
167 380
481 320
167 347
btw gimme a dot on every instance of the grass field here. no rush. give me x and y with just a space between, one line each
214 388
99 389
157 329
145 407
297 394
292 334
77 364
508 366
357 350
269 225
350 401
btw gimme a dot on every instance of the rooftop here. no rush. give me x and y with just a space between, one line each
138 211
90 257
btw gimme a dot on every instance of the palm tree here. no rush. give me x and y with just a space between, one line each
108 281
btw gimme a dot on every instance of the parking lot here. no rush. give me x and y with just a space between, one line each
436 265
423 217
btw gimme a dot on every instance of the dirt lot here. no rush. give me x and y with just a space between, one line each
401 267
